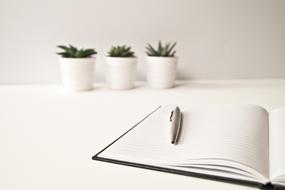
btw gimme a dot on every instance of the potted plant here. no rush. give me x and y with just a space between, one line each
121 67
77 68
161 65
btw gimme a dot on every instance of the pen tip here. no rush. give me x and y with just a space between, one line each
172 142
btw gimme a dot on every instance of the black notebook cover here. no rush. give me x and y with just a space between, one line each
179 172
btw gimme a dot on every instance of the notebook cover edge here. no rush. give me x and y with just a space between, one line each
96 155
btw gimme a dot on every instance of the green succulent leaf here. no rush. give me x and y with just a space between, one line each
121 51
163 50
151 51
73 52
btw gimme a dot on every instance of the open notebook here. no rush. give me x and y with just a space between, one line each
236 143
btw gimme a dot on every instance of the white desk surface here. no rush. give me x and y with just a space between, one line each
48 136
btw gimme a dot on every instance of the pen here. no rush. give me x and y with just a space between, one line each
176 122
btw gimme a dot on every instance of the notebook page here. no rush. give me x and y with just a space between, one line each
277 142
237 133
230 132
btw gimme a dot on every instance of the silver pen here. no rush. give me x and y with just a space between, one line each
176 122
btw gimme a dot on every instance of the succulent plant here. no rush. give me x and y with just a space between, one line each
73 52
121 51
166 50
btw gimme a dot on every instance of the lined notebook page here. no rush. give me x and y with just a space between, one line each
238 133
277 143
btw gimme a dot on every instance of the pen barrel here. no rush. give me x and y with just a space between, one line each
175 125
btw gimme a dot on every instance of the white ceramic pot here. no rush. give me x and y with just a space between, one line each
121 72
161 71
77 73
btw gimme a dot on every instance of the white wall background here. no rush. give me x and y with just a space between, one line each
216 38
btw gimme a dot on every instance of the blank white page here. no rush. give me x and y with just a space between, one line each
277 143
230 132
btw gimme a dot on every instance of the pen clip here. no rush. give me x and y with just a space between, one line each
170 119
